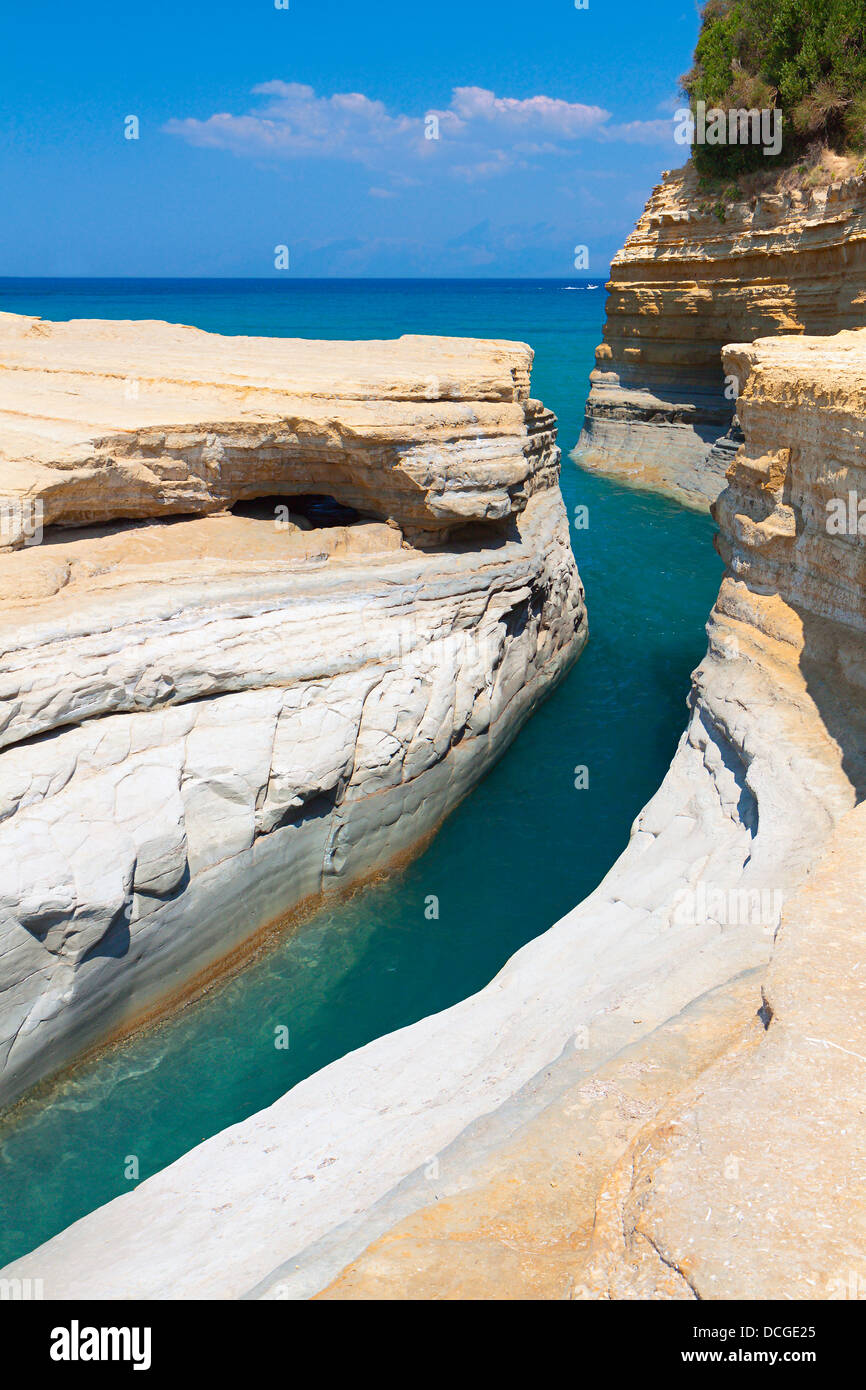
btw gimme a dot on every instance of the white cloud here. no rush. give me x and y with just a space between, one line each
480 134
567 119
295 123
658 132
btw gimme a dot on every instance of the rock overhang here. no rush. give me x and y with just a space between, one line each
107 421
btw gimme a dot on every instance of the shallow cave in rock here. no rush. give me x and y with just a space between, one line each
309 510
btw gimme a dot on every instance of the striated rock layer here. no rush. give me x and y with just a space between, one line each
134 419
695 274
660 1097
208 718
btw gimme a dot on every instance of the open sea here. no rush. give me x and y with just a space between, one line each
516 855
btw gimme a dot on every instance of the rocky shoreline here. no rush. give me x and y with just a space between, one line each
585 1109
585 1126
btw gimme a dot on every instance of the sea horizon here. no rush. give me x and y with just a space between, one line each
276 278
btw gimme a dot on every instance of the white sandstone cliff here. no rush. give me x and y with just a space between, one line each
208 719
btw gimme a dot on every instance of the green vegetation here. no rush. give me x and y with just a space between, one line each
805 57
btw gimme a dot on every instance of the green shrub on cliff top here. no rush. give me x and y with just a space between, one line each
806 57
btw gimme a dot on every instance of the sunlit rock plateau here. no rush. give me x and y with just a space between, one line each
702 269
291 600
662 1096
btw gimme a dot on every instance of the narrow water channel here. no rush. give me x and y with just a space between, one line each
518 853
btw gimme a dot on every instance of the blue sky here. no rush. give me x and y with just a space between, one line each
305 127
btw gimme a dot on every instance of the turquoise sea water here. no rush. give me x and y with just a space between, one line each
514 856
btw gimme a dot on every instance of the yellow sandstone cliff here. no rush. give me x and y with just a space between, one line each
702 269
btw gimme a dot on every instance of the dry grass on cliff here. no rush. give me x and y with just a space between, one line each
818 168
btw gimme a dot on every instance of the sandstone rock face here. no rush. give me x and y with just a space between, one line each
693 276
707 1202
659 1097
748 1183
207 718
135 419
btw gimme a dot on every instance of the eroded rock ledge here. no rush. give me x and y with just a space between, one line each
694 275
208 717
135 419
661 1096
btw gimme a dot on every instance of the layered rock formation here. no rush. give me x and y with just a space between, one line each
208 718
137 419
661 1096
699 271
